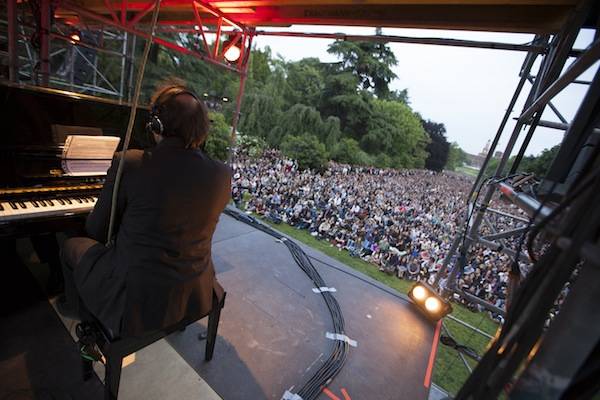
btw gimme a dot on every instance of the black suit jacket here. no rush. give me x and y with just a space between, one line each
159 269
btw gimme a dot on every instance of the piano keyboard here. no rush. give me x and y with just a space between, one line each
64 206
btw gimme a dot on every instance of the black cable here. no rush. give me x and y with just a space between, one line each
334 363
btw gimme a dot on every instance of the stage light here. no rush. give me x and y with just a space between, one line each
419 293
428 301
75 36
225 99
232 54
433 305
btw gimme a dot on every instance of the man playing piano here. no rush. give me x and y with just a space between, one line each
158 268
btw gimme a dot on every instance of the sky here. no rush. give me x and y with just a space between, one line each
467 89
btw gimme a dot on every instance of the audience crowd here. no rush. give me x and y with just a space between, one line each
401 221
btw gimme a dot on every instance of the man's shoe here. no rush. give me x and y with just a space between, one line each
65 309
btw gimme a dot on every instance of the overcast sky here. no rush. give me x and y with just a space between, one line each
466 89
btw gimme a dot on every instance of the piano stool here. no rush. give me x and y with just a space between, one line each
116 349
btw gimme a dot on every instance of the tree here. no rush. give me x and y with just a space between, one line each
456 157
438 148
305 83
348 151
218 141
306 150
370 62
260 114
398 133
301 119
539 165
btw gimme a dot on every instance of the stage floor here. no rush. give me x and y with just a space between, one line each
272 333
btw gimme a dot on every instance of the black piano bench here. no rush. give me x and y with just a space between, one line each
116 349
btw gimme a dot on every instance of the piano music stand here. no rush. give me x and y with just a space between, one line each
116 349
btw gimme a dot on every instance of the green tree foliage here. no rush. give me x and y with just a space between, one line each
304 82
301 119
539 165
370 62
306 150
218 142
260 114
348 151
456 157
438 148
396 131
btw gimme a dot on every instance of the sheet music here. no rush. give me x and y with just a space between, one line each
88 155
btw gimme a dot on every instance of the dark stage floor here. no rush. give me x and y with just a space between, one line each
271 336
272 332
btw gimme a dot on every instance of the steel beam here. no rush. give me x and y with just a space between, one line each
173 46
505 234
559 126
534 48
587 59
44 52
13 55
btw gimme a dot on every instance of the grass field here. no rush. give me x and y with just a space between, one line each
468 171
449 371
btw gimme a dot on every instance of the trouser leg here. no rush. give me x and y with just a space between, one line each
71 254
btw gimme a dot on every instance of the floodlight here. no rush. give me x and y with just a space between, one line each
432 304
419 293
75 36
232 54
428 301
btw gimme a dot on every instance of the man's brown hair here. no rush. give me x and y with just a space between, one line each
181 113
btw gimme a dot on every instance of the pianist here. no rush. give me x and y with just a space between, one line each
159 267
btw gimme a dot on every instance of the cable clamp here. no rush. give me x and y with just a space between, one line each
343 338
324 289
290 396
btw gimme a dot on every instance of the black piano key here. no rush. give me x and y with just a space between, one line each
61 202
78 200
50 202
22 205
42 203
68 201
1 207
35 203
13 205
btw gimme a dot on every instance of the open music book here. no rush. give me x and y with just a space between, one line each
85 155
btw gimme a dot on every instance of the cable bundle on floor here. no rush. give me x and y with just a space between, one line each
334 363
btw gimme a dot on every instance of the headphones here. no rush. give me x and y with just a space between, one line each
154 124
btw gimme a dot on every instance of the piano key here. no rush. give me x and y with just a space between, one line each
23 210
35 203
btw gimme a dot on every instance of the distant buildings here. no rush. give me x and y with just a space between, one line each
476 160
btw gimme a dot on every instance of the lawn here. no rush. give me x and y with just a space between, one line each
468 171
449 372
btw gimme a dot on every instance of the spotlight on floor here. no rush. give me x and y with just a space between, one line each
428 301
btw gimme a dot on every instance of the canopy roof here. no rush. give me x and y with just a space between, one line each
534 16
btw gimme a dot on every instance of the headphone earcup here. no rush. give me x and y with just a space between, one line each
154 125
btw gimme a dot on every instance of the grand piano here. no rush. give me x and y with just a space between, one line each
37 198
